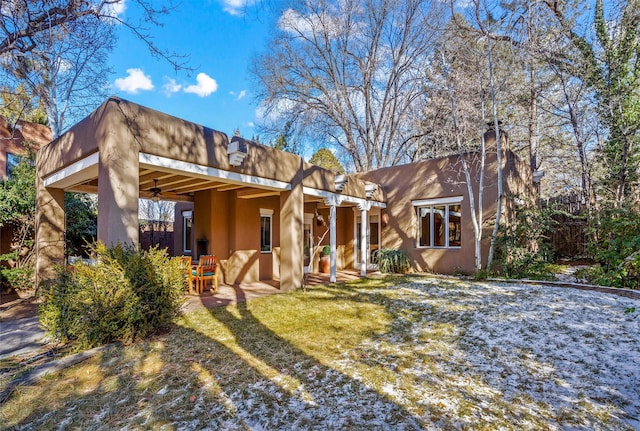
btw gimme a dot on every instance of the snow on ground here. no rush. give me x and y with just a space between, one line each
467 355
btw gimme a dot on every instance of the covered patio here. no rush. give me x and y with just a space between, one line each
251 203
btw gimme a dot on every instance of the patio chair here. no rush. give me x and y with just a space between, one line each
185 266
206 270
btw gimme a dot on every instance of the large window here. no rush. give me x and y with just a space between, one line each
439 222
265 230
187 225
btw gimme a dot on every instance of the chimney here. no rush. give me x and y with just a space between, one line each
490 138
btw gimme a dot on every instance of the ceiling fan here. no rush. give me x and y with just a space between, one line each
155 191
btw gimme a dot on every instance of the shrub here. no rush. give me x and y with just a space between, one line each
522 248
391 261
326 250
614 244
19 278
126 295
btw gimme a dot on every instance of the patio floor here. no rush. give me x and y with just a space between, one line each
245 291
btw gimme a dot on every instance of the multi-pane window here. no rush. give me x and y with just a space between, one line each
265 230
439 223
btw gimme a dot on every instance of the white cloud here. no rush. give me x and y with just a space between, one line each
236 7
464 3
134 82
251 124
330 22
275 112
293 22
171 86
114 10
204 87
240 95
63 65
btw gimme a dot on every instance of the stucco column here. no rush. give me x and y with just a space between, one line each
333 202
291 226
364 244
49 231
118 193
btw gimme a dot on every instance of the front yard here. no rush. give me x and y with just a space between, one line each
404 353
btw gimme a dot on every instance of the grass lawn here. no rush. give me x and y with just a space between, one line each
401 353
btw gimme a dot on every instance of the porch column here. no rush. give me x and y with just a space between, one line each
364 244
333 202
50 230
291 226
118 191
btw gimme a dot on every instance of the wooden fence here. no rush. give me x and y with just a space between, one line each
568 237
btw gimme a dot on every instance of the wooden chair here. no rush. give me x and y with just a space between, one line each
207 269
185 266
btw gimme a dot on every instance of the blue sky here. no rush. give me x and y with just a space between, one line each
220 41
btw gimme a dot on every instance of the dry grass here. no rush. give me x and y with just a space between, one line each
355 356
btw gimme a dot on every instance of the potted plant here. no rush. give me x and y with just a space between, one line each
325 261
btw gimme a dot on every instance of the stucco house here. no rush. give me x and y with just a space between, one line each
258 209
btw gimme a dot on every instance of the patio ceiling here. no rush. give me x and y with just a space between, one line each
177 187
175 184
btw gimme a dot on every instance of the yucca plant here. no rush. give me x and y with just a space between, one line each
391 261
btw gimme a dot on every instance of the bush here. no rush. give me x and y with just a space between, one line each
522 248
18 278
614 245
391 261
126 295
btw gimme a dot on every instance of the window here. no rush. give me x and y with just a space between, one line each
12 162
439 222
265 230
187 229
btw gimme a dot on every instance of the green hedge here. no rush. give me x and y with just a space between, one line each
125 295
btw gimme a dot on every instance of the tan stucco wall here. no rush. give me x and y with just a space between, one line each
441 178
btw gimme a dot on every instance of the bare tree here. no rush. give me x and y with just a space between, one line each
475 203
485 37
23 21
68 72
351 73
157 216
59 50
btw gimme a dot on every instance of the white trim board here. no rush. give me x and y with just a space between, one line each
437 201
76 173
207 172
325 194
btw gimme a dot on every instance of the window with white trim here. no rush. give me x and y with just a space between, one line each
439 223
266 216
187 229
